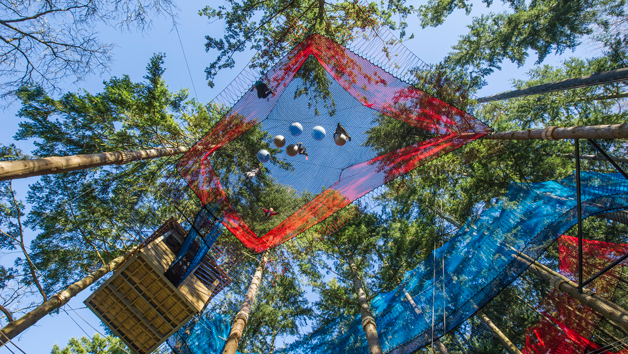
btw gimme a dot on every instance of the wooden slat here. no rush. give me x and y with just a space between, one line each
148 301
135 311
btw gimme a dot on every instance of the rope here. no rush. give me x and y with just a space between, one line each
174 23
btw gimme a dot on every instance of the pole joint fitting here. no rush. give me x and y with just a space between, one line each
366 320
548 133
242 315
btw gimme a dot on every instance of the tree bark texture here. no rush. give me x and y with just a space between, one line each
442 349
610 311
243 316
16 327
368 322
59 164
612 131
508 345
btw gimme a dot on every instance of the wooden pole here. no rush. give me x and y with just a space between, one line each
368 323
611 311
508 345
442 349
59 164
604 78
16 327
612 131
592 157
243 316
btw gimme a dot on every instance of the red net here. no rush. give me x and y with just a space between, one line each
568 325
367 85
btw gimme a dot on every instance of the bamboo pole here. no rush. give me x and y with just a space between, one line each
368 323
16 327
59 164
604 78
611 311
243 316
508 345
607 131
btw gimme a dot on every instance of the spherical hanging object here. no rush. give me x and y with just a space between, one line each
340 140
292 150
279 141
263 156
318 133
296 129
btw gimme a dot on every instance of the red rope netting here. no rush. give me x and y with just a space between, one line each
567 325
368 84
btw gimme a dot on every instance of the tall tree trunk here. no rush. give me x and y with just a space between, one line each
56 301
368 323
243 316
612 131
442 349
508 345
59 164
611 311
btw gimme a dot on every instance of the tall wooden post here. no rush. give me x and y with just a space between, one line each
607 131
368 323
507 344
16 327
610 311
243 316
59 164
442 349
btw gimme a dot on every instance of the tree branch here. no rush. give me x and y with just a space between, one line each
28 258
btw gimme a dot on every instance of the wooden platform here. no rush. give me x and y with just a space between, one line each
141 306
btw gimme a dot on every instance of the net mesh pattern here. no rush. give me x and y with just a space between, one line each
567 325
480 261
361 91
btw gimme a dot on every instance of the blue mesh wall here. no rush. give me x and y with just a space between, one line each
204 334
479 261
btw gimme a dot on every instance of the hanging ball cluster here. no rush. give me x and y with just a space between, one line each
318 133
292 150
263 156
340 140
296 129
279 141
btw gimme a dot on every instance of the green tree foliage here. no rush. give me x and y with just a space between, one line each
273 27
545 27
325 262
20 283
280 311
96 345
88 217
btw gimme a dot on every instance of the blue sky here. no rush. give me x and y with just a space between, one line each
132 52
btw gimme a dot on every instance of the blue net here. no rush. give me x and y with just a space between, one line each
479 261
205 333
202 235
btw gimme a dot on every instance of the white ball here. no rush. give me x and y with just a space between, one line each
296 129
292 150
279 141
263 156
318 133
340 140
